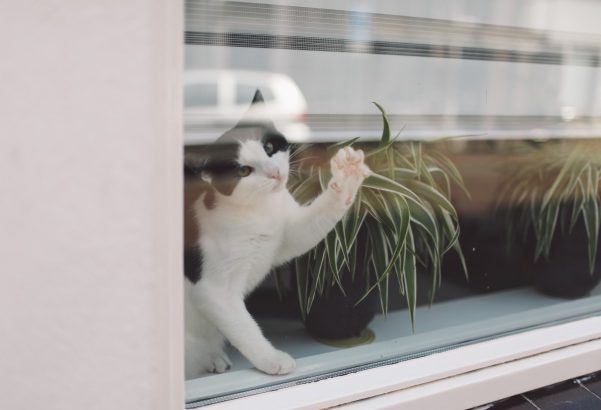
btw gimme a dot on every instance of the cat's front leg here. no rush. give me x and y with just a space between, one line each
307 225
274 361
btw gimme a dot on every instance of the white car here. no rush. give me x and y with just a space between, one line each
215 100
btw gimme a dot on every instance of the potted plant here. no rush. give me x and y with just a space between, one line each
401 221
554 201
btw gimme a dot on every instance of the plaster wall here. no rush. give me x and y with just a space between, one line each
90 142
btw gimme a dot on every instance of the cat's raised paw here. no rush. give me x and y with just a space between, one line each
348 172
276 362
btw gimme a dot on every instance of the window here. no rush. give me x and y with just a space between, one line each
496 108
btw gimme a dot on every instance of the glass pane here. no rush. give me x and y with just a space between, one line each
480 217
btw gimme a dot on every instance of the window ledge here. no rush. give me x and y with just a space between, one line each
489 370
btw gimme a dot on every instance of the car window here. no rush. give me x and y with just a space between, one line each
245 93
200 95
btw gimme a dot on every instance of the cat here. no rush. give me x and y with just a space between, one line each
241 222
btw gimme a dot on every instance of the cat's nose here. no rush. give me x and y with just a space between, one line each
274 173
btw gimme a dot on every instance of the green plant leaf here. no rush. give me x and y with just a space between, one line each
318 276
377 258
449 169
396 243
434 170
302 283
452 228
382 183
307 190
410 279
372 203
341 238
385 139
277 278
550 214
343 144
324 178
559 181
332 258
590 212
434 197
351 226
422 216
400 175
578 206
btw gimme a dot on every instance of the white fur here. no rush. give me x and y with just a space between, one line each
243 237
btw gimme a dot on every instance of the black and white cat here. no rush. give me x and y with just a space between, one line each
241 222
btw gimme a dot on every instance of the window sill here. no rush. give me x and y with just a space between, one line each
488 370
444 326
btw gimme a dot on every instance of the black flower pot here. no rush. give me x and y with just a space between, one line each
334 315
493 262
565 273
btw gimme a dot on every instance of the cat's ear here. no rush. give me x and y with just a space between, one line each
256 114
252 125
258 98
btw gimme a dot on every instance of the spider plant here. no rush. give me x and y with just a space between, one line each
552 186
402 220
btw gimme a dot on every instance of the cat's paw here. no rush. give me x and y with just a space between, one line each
220 362
276 362
348 172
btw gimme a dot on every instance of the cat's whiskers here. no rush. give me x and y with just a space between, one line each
303 159
299 149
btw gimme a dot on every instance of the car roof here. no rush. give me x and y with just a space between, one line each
206 75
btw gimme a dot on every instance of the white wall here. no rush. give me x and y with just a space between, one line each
90 142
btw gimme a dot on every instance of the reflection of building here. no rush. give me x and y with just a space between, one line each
436 72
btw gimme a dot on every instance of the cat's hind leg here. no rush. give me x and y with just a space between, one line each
198 356
204 346
219 362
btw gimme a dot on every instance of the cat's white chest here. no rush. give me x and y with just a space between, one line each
259 225
241 242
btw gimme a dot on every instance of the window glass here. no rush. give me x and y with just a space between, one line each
480 217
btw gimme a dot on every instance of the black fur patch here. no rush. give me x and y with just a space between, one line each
219 162
193 263
279 142
222 167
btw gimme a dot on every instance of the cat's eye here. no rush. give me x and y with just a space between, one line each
244 171
269 148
